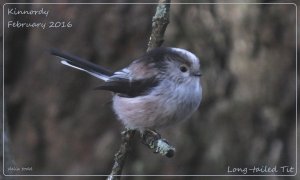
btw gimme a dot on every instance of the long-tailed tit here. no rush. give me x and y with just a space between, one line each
158 89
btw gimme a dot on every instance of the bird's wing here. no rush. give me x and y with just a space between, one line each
121 83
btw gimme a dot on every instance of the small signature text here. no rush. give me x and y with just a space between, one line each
19 169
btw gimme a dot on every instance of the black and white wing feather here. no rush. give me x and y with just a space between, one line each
83 65
122 83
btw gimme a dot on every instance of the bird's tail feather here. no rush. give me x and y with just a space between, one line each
83 65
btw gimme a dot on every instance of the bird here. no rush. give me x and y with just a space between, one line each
160 88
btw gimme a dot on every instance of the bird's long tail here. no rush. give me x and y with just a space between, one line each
83 65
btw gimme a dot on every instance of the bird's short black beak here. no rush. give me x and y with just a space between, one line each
197 74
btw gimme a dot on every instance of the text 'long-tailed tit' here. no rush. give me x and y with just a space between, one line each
158 89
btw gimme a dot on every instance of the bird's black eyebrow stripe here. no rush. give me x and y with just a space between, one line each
130 89
159 55
179 58
76 61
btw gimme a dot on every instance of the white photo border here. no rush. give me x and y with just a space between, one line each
229 3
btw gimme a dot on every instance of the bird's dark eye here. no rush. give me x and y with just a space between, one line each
183 68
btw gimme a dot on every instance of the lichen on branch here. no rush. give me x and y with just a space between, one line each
160 22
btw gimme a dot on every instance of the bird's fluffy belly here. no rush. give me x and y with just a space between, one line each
155 111
139 112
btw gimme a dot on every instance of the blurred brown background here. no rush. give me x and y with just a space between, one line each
57 124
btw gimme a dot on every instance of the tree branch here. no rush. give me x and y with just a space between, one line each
150 138
154 141
160 22
120 156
